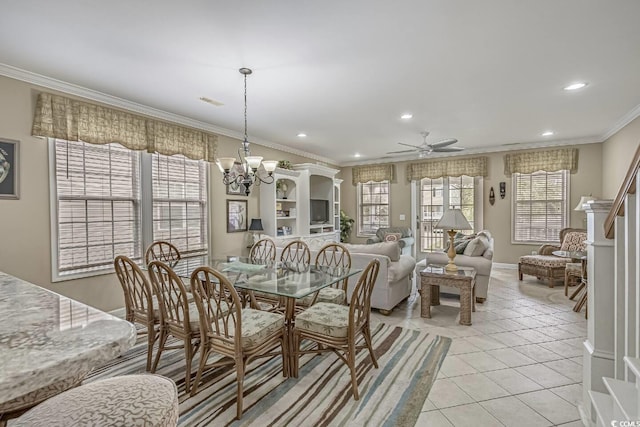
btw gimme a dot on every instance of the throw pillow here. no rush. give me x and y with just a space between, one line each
392 237
574 241
390 249
460 242
477 246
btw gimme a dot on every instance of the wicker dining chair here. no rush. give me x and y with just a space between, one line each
178 317
238 335
141 305
263 251
334 256
162 251
297 252
336 327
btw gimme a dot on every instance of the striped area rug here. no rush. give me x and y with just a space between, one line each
391 395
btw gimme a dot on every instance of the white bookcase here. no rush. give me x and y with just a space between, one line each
289 215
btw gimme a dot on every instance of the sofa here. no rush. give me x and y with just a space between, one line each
402 235
393 283
478 253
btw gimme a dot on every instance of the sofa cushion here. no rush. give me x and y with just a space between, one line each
477 246
544 260
574 241
401 269
389 249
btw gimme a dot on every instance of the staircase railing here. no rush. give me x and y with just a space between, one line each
628 187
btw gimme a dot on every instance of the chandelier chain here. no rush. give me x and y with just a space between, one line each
245 108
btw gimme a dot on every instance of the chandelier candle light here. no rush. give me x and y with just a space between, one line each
452 220
250 164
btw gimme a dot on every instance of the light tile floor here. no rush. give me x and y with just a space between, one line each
519 364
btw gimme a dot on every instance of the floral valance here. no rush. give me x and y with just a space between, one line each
544 160
65 118
471 166
374 173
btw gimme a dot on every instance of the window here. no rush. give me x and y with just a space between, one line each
435 194
373 207
98 207
540 206
180 202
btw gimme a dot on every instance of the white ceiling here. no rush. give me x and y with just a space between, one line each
485 72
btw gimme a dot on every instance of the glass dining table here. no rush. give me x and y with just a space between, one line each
287 280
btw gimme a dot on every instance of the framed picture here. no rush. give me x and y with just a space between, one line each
9 165
234 188
236 216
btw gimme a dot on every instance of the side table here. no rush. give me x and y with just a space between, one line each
434 276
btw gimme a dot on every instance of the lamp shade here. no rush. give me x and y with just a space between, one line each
453 219
256 225
583 200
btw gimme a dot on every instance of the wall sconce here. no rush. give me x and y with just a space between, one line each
503 189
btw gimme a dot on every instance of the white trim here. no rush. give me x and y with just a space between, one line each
622 122
94 95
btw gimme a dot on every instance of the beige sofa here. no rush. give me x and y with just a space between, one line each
482 262
394 278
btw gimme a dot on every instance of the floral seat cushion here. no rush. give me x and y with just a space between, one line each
130 400
325 318
332 295
544 260
257 326
574 241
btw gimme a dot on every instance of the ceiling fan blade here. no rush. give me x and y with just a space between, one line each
444 142
401 151
411 145
447 149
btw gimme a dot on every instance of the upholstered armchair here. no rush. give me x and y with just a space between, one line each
392 234
545 265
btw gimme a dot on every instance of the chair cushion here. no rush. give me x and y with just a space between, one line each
392 237
325 318
544 260
332 295
259 325
130 400
574 241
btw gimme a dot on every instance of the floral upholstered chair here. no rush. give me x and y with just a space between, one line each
545 265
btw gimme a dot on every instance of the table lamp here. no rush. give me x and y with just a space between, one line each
452 220
255 227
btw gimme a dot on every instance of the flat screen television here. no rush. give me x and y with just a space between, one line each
319 211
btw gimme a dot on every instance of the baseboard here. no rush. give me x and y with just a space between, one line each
506 266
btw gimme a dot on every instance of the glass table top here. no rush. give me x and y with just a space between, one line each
285 279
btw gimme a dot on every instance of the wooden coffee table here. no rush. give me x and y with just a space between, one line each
434 276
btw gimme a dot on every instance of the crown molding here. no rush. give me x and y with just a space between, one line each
624 120
483 150
124 104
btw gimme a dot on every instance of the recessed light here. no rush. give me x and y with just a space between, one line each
302 135
547 133
406 116
357 155
575 86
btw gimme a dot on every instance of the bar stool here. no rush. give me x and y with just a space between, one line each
129 400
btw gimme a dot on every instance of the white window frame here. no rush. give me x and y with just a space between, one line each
144 213
360 231
565 216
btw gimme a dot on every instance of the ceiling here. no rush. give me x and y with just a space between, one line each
488 73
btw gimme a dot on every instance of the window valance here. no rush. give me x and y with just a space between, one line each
65 118
471 166
376 173
543 160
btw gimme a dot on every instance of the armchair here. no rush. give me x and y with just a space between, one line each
405 240
547 266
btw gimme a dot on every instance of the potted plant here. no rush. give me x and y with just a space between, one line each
346 224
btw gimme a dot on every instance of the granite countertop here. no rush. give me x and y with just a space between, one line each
46 337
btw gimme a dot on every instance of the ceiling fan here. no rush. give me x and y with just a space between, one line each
425 149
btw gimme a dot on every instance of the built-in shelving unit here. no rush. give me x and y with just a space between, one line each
287 210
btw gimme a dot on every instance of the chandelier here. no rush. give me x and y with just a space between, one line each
247 173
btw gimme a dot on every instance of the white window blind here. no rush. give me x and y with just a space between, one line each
373 206
540 206
98 205
180 202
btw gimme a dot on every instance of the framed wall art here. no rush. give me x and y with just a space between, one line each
234 188
236 216
9 169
